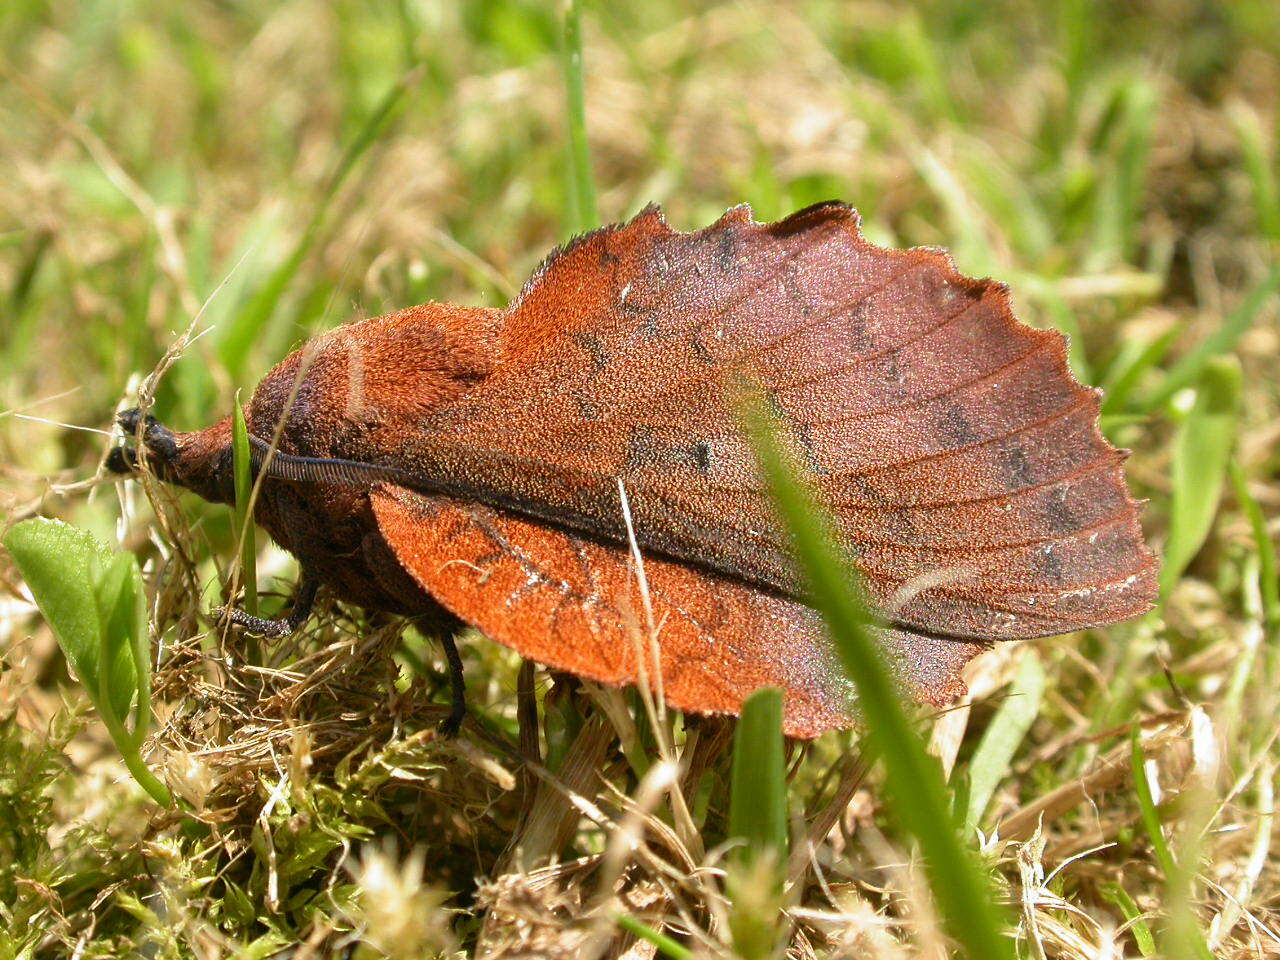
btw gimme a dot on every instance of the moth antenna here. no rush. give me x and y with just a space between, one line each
284 466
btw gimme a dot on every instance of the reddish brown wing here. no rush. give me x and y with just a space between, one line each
575 605
962 459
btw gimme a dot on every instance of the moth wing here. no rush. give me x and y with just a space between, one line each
575 604
961 459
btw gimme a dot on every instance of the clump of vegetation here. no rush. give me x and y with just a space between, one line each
253 175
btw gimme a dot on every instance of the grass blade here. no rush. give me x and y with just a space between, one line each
758 815
1000 741
249 325
1133 361
918 800
1181 931
758 802
1202 452
1142 937
1259 164
583 215
1269 584
242 464
1223 340
666 946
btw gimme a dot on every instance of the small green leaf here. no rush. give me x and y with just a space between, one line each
1202 451
61 565
95 603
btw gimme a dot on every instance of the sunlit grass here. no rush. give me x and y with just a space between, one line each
1118 169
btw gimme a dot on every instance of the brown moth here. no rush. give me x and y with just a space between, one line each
466 465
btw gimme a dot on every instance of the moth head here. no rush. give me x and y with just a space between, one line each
200 461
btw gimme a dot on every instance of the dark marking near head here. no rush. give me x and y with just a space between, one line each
820 214
954 427
594 349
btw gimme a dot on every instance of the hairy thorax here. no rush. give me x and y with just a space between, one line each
349 395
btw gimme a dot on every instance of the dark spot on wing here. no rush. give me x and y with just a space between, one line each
1058 512
794 291
701 351
803 434
1050 563
954 427
594 349
856 325
646 449
726 250
700 455
587 408
1016 467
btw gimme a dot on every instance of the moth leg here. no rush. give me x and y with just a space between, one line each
457 688
303 602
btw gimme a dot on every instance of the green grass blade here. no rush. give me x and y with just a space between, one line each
758 802
666 946
1118 198
1181 927
917 797
1223 340
1202 452
995 751
1261 167
1147 805
1269 584
242 463
248 326
583 215
1142 937
1133 361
